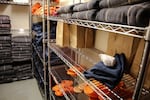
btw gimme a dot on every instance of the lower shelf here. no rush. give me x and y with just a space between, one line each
70 61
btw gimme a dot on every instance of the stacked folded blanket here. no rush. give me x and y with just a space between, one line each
5 49
134 15
22 69
21 56
126 12
21 48
5 23
6 73
86 11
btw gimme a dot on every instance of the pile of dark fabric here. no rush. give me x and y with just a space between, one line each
109 76
38 50
6 69
21 56
126 12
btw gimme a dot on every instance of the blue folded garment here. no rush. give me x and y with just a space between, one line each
110 76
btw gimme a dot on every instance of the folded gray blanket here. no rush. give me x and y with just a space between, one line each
22 39
66 9
92 4
86 15
115 3
134 15
66 15
6 67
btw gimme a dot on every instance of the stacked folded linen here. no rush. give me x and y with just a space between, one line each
22 69
134 15
5 48
126 12
21 48
21 56
5 23
6 73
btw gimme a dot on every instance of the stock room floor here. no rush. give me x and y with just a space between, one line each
20 90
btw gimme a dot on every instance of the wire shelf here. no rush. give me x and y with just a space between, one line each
14 3
54 72
71 64
133 31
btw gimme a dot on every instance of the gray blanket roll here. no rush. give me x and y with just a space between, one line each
86 15
115 3
92 4
134 15
66 15
66 9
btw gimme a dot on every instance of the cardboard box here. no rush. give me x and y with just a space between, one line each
62 34
81 37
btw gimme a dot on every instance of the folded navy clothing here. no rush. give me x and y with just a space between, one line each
110 76
115 3
92 4
134 15
86 15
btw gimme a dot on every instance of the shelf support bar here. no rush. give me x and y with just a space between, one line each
143 67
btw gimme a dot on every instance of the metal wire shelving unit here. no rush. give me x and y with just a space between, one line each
15 3
138 32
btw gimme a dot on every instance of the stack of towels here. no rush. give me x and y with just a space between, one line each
126 12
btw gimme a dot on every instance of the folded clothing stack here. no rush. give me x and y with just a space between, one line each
86 11
21 48
21 56
37 28
123 13
23 70
6 73
5 23
126 12
5 48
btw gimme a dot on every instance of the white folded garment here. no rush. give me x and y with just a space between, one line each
107 60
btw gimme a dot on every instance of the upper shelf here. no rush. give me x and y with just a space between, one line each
139 32
14 3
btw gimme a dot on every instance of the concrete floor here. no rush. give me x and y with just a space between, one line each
20 90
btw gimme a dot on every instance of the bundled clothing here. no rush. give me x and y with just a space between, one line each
110 76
